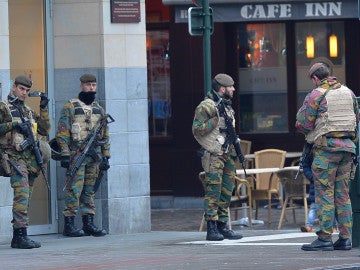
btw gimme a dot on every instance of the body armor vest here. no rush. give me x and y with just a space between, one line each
86 118
214 140
339 116
14 138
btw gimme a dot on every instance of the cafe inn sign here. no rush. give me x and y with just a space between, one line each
292 10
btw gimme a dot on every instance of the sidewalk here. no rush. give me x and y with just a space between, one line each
175 243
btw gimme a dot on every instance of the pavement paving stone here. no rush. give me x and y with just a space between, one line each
175 243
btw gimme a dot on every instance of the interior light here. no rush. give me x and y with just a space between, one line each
310 47
333 46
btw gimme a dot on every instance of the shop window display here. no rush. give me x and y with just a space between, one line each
159 98
319 34
262 78
263 84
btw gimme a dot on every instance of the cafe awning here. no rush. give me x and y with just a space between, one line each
190 2
266 10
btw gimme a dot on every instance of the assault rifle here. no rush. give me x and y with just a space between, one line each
14 165
88 148
306 152
231 137
31 142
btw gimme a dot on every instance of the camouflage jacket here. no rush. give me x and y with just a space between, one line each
64 135
7 125
206 118
336 141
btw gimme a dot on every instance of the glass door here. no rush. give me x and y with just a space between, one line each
28 57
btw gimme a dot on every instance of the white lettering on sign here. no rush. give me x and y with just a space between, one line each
323 9
266 11
183 14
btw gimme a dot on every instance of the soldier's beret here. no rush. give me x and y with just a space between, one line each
224 79
23 80
87 78
316 67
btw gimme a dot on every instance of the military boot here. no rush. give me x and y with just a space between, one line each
89 227
226 232
212 232
70 229
21 240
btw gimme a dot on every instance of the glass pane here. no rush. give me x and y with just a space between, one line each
312 39
158 63
262 78
27 57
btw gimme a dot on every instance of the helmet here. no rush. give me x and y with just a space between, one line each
55 149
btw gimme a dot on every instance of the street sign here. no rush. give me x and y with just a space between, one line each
196 21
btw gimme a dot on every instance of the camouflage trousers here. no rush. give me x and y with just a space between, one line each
80 193
23 187
218 185
331 179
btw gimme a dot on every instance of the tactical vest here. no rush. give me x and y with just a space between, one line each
214 140
339 116
14 138
86 118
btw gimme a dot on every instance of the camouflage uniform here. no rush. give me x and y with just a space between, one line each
24 160
219 167
332 162
80 189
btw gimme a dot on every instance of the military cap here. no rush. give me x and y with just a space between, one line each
315 67
23 80
224 79
87 78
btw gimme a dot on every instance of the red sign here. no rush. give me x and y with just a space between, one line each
125 11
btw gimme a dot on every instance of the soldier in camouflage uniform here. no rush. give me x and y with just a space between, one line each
19 163
218 163
78 118
328 119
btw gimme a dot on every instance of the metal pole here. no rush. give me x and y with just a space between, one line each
355 200
206 47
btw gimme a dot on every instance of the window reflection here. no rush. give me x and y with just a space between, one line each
262 78
158 65
322 35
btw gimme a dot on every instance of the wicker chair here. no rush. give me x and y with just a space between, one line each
267 184
245 147
293 189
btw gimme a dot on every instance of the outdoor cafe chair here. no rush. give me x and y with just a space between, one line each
266 185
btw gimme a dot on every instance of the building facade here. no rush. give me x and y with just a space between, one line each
55 42
267 46
150 79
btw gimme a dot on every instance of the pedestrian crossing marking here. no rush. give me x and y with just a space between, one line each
251 240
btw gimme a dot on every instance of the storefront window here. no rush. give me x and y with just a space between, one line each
158 64
318 41
262 78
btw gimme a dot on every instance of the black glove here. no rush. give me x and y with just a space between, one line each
44 101
23 128
65 161
104 165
